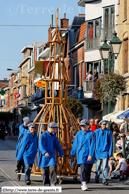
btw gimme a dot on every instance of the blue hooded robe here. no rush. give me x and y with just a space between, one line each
84 146
48 143
103 143
22 131
28 148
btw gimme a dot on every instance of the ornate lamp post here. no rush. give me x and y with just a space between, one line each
109 54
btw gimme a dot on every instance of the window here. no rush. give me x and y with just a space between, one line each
109 22
125 55
125 9
93 33
11 100
75 76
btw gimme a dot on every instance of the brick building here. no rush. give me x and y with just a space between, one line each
123 59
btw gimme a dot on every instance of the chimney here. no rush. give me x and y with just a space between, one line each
50 29
64 23
81 14
52 21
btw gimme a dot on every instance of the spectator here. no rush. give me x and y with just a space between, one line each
125 172
86 77
124 128
97 123
95 75
120 167
93 127
112 165
89 76
119 143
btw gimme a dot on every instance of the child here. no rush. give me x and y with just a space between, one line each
125 172
120 167
84 145
48 143
112 165
28 151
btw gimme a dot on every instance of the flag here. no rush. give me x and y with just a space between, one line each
40 68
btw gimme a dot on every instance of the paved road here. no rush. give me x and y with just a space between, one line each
8 175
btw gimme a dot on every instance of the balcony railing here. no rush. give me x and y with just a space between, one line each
88 86
92 43
107 32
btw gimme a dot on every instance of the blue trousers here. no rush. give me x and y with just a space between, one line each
104 169
28 168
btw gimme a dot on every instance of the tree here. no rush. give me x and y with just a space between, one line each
76 107
25 111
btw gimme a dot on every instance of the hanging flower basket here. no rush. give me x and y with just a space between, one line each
109 87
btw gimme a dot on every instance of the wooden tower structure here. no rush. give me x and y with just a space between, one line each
56 108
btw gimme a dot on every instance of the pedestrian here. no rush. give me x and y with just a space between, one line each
17 128
93 127
103 150
2 130
28 151
48 143
84 146
23 129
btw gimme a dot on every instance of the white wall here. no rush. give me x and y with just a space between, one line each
92 55
93 10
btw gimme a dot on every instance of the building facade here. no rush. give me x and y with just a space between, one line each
100 25
123 59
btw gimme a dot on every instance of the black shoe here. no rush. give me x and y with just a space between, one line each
121 179
28 182
88 179
17 171
105 183
96 181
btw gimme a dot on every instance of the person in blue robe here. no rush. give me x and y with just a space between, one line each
103 151
28 151
23 129
84 147
48 143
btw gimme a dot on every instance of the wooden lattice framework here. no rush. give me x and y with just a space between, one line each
56 108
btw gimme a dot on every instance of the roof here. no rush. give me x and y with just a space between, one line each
26 47
23 61
77 22
82 32
82 2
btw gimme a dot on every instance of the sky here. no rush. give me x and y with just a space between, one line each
28 12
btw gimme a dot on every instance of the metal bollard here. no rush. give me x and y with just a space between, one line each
114 143
124 144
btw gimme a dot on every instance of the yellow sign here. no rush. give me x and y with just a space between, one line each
41 84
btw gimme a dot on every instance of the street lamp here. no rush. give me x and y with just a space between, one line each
109 54
104 50
115 44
